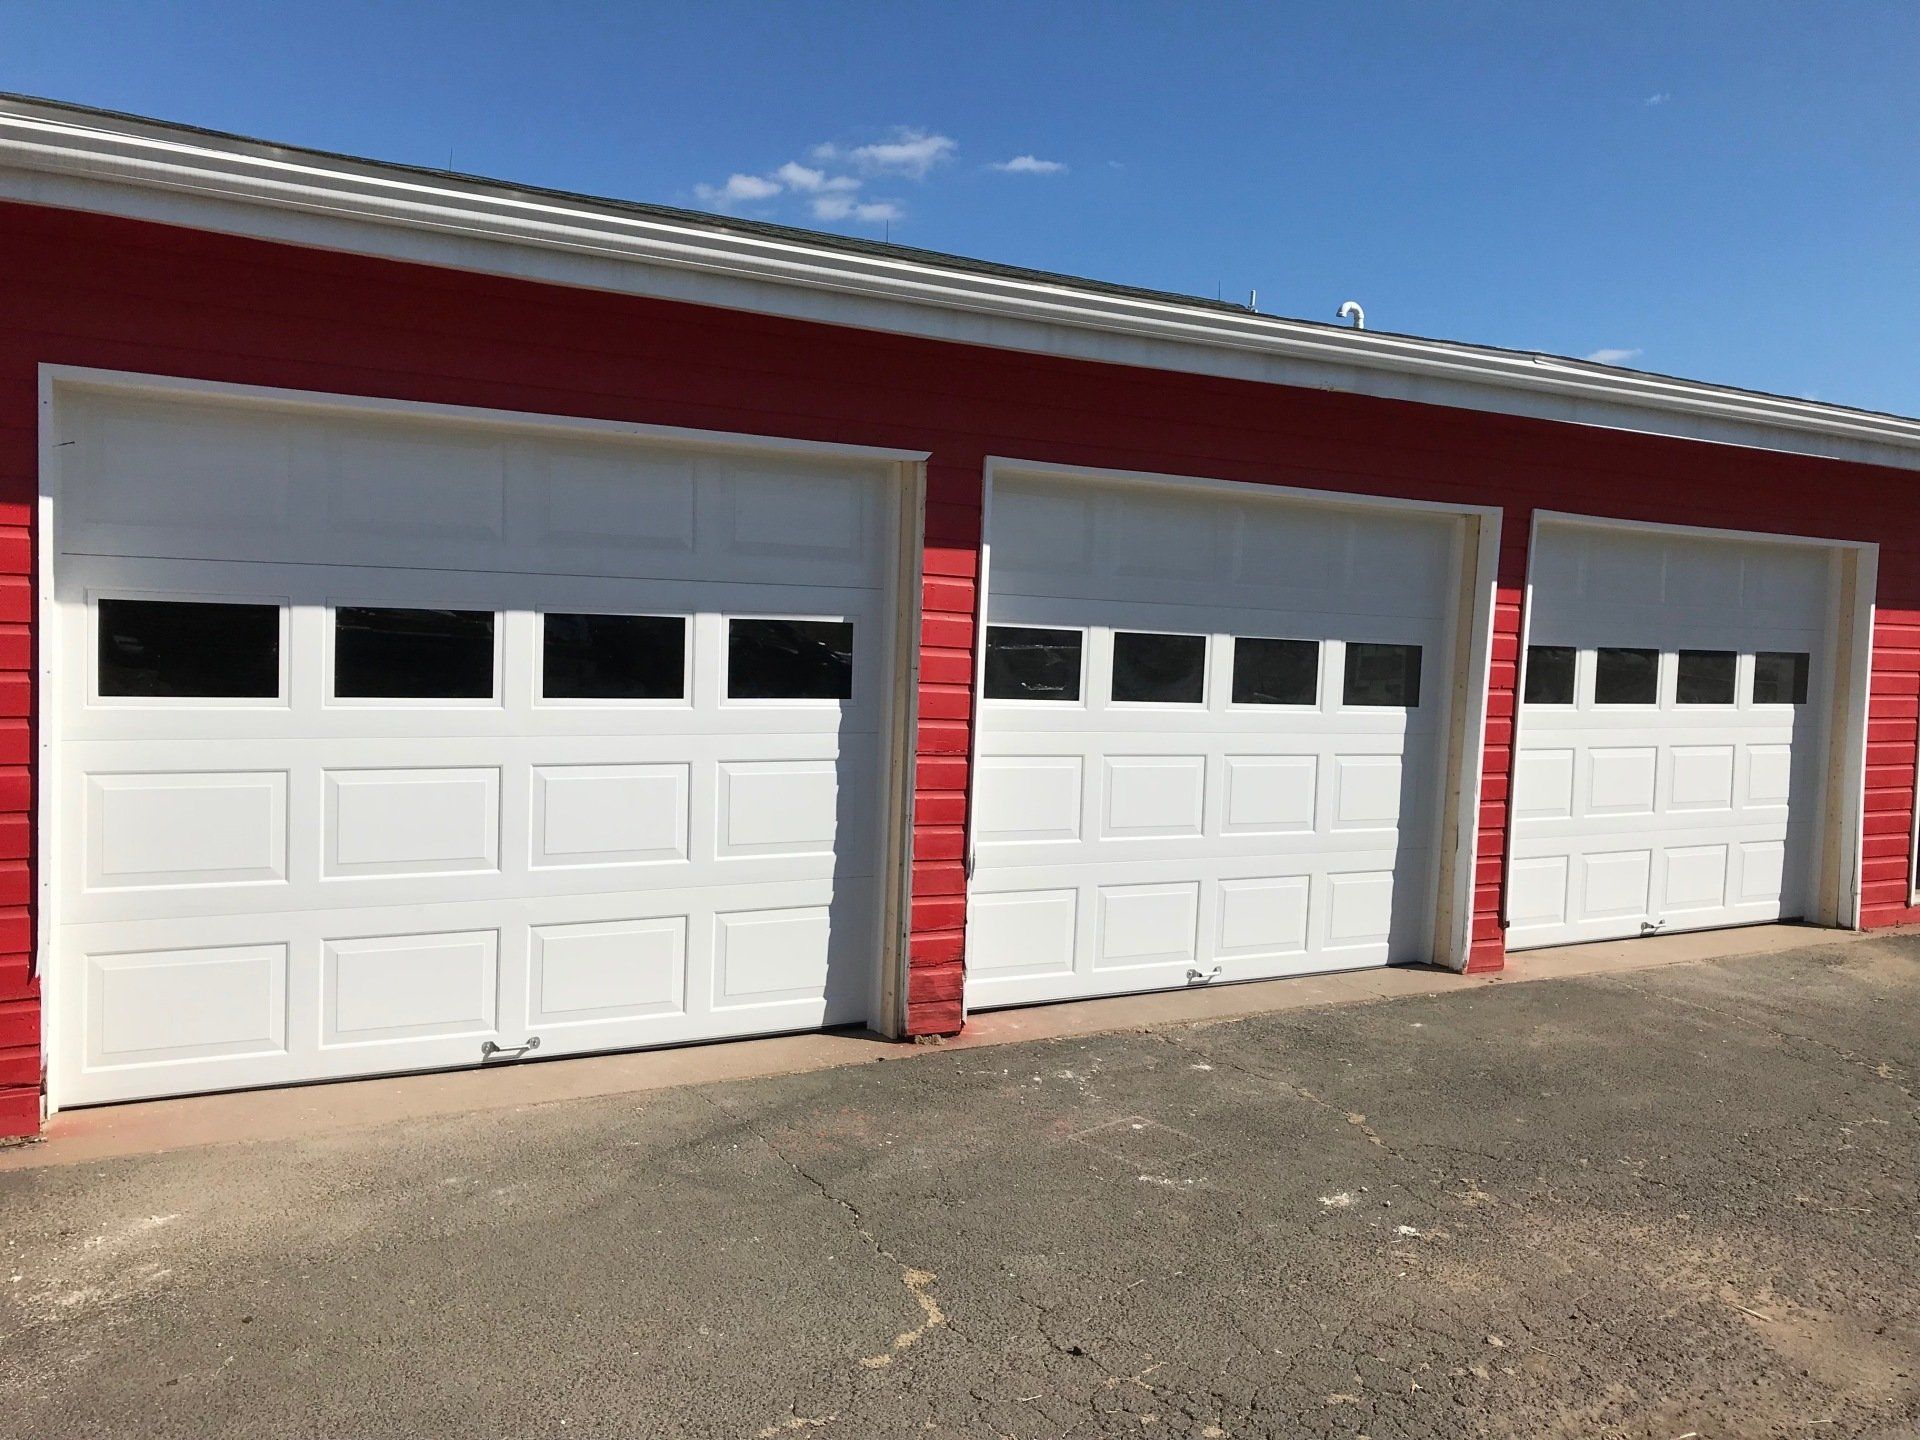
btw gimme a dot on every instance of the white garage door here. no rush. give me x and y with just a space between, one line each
386 741
1210 739
1672 734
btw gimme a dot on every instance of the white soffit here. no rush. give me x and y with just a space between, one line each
76 158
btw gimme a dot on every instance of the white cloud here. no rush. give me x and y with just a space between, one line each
911 153
879 210
1660 99
805 181
842 207
738 188
1613 356
1030 165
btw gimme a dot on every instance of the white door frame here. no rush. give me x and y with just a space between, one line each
898 722
1837 857
1465 745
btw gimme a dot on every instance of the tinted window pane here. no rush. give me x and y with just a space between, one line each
1171 669
1030 664
1276 672
393 654
1780 678
1382 675
1549 675
1704 677
1626 677
789 659
614 657
189 649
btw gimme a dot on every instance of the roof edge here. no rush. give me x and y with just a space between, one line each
60 154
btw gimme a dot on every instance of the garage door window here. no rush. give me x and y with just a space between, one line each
1387 675
1704 677
1028 663
388 653
776 659
1550 674
613 657
189 649
1626 677
1275 672
1780 678
1159 669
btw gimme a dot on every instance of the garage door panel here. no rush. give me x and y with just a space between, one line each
275 884
1681 815
1122 845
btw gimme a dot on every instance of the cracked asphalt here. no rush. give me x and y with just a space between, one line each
1664 1203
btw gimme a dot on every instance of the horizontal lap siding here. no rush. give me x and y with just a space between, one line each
88 290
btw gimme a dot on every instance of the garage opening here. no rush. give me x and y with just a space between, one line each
392 740
1213 738
1686 727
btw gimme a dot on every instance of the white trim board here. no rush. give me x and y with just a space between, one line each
75 158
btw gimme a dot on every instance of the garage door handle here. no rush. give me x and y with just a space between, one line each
490 1049
1201 977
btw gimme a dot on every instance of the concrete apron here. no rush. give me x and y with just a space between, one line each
150 1127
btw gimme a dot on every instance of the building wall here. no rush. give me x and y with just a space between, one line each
97 291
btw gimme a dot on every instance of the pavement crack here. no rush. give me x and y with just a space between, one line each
917 1281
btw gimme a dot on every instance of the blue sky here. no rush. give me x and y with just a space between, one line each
1723 190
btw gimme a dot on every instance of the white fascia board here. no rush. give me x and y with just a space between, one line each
50 155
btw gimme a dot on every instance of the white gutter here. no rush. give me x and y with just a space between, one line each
56 155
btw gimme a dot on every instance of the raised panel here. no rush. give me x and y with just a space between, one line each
770 956
1165 538
1359 908
1703 575
1614 884
1366 792
804 514
204 475
1696 878
1263 917
1620 779
387 988
612 496
609 814
1027 799
607 970
1769 774
1395 563
1293 546
1270 794
1543 785
778 807
1763 866
1024 933
1702 777
1537 891
201 1003
1618 568
1147 925
411 822
429 483
1043 532
1154 795
186 829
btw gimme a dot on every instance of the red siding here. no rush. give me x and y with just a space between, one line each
88 290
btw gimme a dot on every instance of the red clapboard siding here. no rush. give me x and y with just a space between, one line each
90 290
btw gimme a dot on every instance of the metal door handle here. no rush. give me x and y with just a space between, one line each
490 1048
1201 977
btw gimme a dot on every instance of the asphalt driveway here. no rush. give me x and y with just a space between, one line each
1671 1202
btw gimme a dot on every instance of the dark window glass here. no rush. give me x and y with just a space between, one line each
1382 675
1170 669
392 654
1626 677
1275 672
1549 674
614 657
1704 677
1780 678
1032 664
789 659
189 649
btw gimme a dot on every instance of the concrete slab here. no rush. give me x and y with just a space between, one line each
150 1127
